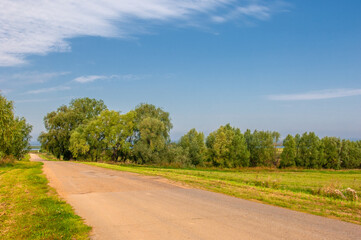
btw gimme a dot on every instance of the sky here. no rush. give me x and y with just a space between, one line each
286 66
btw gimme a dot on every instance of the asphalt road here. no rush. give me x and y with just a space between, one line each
120 205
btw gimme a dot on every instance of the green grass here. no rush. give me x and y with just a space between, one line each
301 190
47 156
30 209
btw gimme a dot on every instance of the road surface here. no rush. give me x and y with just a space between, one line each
121 205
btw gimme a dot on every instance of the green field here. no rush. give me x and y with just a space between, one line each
310 191
30 209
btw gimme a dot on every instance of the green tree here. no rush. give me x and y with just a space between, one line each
350 155
60 124
194 146
152 141
262 147
288 155
227 147
331 152
310 151
108 133
151 135
14 131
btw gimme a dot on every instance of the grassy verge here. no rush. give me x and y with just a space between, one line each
47 156
309 191
30 209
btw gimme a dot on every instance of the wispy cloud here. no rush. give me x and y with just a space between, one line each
28 28
32 100
87 79
92 78
31 77
47 90
316 95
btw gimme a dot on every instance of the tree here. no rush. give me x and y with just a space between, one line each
194 146
152 141
227 147
331 152
60 124
14 131
310 151
262 147
108 133
151 134
288 155
350 155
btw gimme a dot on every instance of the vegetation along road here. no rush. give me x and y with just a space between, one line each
123 205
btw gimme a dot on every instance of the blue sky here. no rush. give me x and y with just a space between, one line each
288 66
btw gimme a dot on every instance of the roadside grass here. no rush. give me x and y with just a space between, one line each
30 209
301 190
47 156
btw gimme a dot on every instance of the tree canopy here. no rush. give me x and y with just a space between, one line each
14 132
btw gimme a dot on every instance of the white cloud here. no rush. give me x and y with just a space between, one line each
87 79
32 77
41 100
92 78
47 90
28 27
317 95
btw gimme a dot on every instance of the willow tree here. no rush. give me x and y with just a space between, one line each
61 123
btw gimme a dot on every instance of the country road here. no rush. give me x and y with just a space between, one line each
121 205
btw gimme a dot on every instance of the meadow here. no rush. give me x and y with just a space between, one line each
30 209
319 192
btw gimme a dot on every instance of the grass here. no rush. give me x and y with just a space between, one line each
47 156
30 209
301 190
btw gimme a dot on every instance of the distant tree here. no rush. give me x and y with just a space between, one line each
108 133
227 147
151 135
298 160
288 155
350 154
194 146
331 152
310 151
262 147
60 124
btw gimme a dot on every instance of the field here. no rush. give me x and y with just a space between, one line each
30 209
319 192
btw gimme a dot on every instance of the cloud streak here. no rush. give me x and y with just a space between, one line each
92 78
47 90
316 95
27 28
88 79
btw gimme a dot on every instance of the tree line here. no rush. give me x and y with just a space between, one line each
14 133
87 129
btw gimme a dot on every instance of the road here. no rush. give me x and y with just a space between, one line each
121 205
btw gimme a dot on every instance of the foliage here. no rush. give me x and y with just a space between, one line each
288 155
110 132
60 124
14 132
193 143
227 147
87 130
262 147
151 135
